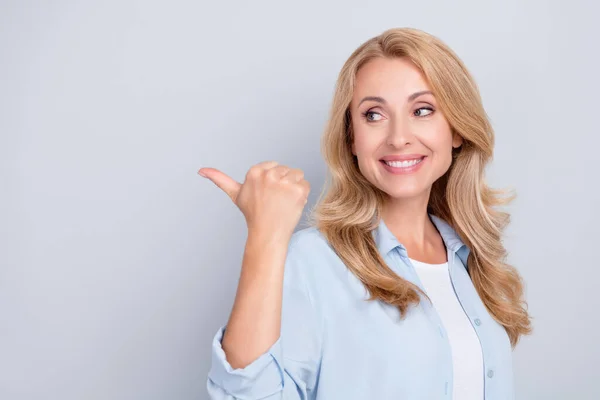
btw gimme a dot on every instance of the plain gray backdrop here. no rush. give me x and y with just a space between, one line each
119 262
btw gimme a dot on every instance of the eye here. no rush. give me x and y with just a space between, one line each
423 111
367 114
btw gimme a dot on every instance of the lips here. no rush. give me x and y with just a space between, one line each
403 157
404 167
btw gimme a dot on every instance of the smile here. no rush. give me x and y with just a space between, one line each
404 166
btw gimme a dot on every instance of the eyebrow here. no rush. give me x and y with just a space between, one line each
382 100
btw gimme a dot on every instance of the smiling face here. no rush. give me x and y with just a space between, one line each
396 117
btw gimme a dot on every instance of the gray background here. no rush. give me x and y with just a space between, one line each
119 263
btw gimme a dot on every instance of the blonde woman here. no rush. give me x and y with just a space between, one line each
399 289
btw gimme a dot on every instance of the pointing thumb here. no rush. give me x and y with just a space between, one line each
223 181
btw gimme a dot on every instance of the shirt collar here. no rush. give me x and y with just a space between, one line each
386 241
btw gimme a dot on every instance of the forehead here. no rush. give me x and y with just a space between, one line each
391 78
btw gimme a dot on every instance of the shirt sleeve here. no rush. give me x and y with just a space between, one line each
289 369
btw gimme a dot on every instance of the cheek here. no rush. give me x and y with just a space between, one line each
443 157
364 143
365 146
437 136
439 143
442 154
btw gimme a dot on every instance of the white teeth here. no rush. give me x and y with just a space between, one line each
403 164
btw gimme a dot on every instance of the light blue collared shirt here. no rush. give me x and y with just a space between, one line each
336 345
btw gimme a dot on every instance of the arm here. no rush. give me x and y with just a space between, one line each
255 321
288 366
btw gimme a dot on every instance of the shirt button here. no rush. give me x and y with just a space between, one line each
477 321
490 373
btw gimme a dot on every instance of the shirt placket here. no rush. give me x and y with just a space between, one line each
434 318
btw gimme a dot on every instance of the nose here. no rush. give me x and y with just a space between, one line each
400 133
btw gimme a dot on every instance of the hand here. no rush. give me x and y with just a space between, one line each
271 198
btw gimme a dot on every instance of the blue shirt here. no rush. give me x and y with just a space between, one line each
336 345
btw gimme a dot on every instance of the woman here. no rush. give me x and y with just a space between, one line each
399 289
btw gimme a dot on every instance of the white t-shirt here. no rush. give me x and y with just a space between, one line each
467 358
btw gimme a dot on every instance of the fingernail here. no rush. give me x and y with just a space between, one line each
201 174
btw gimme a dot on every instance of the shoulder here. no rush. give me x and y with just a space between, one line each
309 238
311 246
310 252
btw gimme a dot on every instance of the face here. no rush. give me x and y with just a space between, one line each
401 139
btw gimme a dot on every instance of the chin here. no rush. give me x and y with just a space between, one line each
404 193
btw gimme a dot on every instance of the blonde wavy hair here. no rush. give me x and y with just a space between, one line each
349 207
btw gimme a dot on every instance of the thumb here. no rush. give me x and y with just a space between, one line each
223 181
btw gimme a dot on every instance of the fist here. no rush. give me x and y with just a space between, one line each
271 198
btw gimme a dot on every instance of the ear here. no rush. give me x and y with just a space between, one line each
457 140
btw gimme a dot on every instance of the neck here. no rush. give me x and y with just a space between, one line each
409 221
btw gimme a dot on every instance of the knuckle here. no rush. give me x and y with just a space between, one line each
253 172
299 190
305 185
272 175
